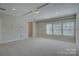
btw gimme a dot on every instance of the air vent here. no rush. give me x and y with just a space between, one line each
27 13
43 5
36 9
3 9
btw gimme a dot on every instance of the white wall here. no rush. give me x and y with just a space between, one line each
0 30
13 28
77 32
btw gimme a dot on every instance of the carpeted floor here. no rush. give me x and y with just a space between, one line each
37 47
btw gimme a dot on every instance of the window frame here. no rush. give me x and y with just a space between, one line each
47 30
69 20
56 23
62 22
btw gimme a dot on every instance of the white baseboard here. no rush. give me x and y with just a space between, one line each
3 42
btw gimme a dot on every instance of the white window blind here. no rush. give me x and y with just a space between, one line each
63 27
57 28
68 28
49 29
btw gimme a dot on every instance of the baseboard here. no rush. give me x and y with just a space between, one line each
3 42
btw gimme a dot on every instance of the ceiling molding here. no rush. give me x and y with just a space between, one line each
65 17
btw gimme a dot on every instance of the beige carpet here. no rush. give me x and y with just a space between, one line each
37 47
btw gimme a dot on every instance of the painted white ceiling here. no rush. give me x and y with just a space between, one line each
50 11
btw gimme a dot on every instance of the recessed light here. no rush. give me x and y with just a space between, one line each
13 9
37 12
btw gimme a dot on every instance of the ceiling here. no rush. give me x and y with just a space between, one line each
49 11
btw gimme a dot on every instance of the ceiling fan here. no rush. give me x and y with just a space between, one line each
36 9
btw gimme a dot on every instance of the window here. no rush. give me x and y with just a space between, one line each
61 27
49 29
57 29
68 28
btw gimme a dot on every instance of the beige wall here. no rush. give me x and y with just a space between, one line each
34 29
30 29
41 32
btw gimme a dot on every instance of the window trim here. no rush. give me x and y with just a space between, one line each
61 21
